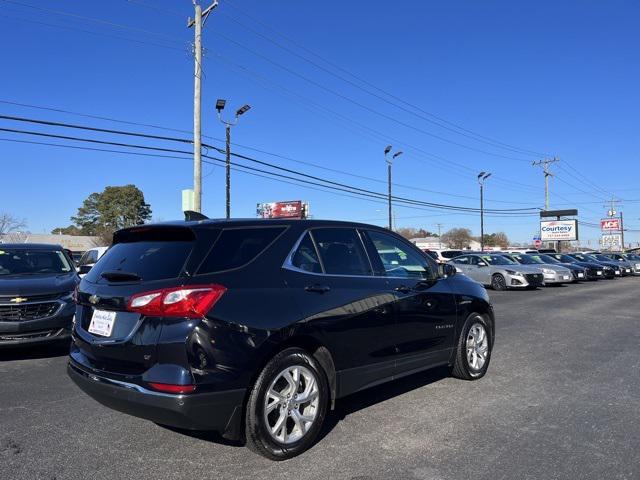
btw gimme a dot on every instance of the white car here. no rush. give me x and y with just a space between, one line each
88 259
443 256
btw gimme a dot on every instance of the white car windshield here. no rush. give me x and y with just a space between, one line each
497 260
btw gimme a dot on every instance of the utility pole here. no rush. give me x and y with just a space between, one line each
228 124
482 176
439 225
389 164
621 231
545 167
198 22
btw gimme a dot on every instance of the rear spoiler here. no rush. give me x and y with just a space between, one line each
190 215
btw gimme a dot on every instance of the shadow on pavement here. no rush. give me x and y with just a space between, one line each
345 406
31 352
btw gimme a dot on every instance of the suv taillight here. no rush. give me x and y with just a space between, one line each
191 301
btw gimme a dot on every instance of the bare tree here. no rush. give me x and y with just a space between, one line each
457 238
9 223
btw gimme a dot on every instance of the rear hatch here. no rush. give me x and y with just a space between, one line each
111 338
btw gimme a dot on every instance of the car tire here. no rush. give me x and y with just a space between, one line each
498 282
266 432
475 340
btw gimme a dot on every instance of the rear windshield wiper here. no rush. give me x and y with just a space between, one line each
119 276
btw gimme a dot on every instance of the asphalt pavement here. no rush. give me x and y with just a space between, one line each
560 401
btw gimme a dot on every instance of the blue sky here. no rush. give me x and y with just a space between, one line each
555 78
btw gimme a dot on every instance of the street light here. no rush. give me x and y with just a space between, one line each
482 176
220 104
389 163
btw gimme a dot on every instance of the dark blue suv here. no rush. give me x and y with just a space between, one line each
253 328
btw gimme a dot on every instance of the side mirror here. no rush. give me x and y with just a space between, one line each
84 269
446 270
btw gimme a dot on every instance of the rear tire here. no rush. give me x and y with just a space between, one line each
498 282
286 406
473 352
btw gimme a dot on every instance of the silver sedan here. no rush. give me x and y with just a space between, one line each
498 272
553 274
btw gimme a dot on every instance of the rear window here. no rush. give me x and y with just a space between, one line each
236 247
451 253
150 260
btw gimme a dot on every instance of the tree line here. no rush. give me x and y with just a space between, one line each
458 238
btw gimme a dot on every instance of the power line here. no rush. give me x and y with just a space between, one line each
364 81
310 178
182 140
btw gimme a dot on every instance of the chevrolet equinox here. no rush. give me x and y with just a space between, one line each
253 328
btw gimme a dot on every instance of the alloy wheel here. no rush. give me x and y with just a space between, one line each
477 347
291 404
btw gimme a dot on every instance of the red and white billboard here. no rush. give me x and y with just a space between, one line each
609 224
290 209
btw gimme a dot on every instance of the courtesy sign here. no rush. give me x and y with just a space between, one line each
558 230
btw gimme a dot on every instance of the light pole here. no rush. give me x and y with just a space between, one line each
482 176
389 164
228 124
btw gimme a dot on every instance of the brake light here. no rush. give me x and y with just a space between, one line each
171 388
191 301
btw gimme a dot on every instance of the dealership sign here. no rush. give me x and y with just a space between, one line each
293 209
551 230
610 224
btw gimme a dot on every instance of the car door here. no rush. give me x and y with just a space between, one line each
425 306
344 305
461 263
480 270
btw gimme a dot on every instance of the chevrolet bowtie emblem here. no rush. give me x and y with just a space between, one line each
18 300
93 299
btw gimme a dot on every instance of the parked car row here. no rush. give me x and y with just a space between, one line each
504 270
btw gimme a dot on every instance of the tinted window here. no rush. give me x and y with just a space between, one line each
398 259
450 253
305 258
235 247
154 260
461 260
32 262
341 251
433 255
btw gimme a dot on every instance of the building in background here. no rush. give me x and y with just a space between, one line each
78 244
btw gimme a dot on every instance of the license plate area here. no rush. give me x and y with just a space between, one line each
102 322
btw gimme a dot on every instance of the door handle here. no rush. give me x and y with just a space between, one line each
317 288
402 289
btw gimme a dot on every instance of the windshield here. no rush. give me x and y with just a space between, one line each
497 260
32 262
565 258
582 258
527 260
602 258
546 259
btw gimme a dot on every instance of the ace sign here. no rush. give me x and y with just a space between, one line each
610 224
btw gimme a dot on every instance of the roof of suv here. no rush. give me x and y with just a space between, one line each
260 221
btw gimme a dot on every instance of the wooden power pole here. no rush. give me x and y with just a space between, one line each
197 22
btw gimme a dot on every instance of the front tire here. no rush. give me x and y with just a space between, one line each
498 282
473 352
287 405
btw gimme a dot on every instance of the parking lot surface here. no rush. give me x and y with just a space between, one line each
561 400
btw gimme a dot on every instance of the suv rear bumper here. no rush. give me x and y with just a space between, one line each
218 411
